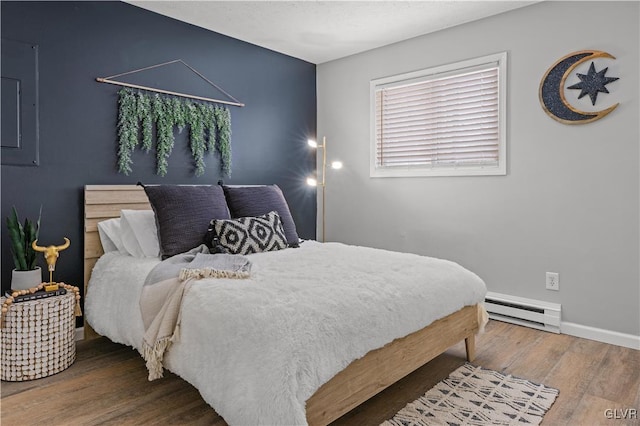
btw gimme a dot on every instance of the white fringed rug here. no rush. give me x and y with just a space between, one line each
475 396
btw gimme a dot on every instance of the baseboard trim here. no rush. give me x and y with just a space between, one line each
600 335
79 333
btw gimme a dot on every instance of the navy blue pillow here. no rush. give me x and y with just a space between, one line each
247 201
183 214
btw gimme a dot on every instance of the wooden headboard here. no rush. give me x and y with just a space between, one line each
103 202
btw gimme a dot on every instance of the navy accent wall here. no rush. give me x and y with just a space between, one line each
79 41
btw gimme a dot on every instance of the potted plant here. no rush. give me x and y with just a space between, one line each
26 274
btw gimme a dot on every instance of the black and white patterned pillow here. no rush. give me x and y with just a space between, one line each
247 235
244 201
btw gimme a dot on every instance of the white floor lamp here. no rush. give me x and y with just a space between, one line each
313 181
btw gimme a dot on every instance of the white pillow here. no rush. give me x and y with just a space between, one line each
109 231
139 233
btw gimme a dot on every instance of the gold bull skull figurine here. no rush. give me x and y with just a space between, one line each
51 254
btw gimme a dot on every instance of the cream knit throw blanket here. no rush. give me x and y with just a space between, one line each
164 289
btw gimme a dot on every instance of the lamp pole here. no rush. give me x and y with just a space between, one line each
324 172
322 183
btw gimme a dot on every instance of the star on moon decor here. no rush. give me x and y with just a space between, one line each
552 94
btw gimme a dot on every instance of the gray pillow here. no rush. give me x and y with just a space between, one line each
183 214
246 201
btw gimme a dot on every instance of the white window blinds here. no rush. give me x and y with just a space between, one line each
438 122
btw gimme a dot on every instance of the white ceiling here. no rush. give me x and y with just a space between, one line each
321 31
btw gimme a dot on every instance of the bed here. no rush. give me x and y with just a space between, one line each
362 378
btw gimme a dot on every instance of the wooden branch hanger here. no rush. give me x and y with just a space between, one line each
109 80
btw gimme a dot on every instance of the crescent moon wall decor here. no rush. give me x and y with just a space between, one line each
551 92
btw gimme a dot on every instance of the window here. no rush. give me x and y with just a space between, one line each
443 121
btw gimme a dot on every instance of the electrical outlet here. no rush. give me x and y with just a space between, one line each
553 281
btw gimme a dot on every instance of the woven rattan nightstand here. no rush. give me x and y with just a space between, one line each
38 338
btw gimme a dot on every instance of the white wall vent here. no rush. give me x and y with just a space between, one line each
527 312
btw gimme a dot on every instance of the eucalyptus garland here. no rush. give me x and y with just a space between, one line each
197 142
143 108
209 120
209 129
223 128
162 115
128 125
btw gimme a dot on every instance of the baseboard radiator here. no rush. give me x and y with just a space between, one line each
527 312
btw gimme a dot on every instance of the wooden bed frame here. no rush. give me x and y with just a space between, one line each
363 378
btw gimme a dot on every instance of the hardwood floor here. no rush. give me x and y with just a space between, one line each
108 384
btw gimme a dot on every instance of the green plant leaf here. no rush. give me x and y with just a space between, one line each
29 237
17 237
31 232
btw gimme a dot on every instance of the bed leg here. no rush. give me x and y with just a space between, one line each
89 333
470 344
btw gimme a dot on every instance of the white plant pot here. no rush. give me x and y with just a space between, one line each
22 280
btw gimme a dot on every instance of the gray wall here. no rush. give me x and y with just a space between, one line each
570 201
79 41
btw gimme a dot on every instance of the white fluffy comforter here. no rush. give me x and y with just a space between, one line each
258 348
